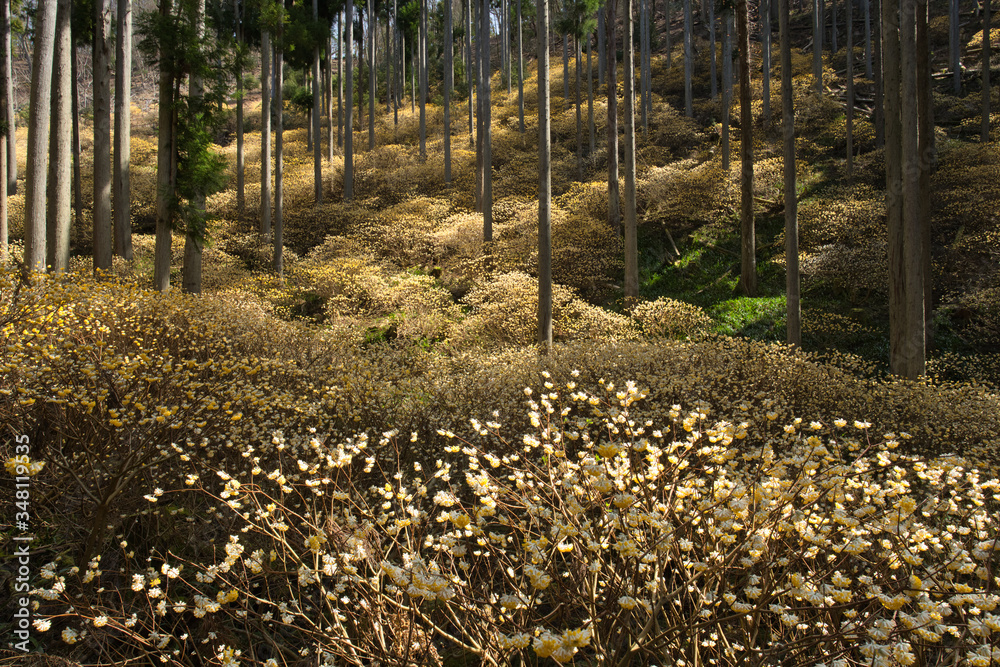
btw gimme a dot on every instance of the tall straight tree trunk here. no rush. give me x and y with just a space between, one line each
984 134
371 75
487 126
648 98
869 72
954 47
349 107
38 138
59 209
642 64
668 15
4 79
388 62
448 56
102 135
11 114
898 357
818 45
194 239
727 85
480 114
602 67
77 151
317 98
793 307
340 78
765 29
913 265
713 73
614 211
590 100
565 41
579 112
414 66
423 80
241 195
123 131
520 69
544 181
833 29
331 137
164 166
279 149
849 20
879 82
631 227
748 247
688 60
927 158
265 133
397 83
470 68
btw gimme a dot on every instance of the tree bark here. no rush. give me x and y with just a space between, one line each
818 46
614 212
123 132
194 239
927 160
371 75
4 81
487 127
470 77
102 135
544 182
984 134
688 60
279 149
38 138
631 227
849 20
265 133
11 113
520 70
915 352
954 47
164 167
579 112
349 107
60 148
727 87
241 195
423 80
879 82
765 29
340 78
448 56
317 142
748 264
590 100
713 70
793 308
869 73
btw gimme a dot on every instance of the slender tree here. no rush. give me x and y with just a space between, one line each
631 227
317 99
713 68
765 38
484 34
984 134
371 74
818 45
954 47
449 49
470 68
423 80
727 84
340 78
241 196
565 41
11 114
279 145
849 20
544 182
331 139
833 29
77 150
102 134
688 60
614 211
520 70
869 71
38 137
879 114
349 108
927 159
748 263
265 132
590 98
60 138
194 238
793 308
165 162
4 130
913 263
668 20
123 132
